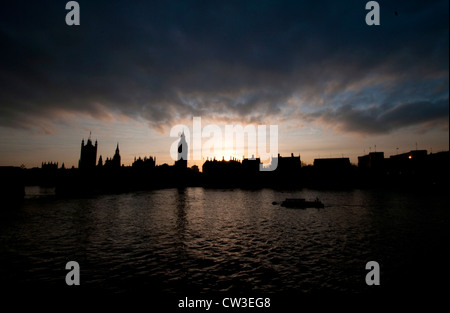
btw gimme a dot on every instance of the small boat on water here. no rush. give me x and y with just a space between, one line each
299 203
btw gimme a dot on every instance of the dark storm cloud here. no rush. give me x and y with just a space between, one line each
235 60
386 117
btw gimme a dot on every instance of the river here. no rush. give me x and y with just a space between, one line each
197 241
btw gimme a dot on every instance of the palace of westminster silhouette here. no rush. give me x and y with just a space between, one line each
414 169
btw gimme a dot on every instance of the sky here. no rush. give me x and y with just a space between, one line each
132 70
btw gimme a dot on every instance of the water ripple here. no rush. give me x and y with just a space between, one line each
196 239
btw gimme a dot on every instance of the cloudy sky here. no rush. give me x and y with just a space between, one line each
133 69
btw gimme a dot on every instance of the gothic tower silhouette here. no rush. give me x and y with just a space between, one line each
115 161
88 155
116 157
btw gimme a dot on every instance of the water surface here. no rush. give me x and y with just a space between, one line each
209 241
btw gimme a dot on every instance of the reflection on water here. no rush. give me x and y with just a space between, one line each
200 240
38 192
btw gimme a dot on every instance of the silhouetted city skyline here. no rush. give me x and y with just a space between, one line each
89 159
416 168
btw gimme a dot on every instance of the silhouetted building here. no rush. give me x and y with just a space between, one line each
283 171
410 163
284 165
146 163
251 166
332 164
100 161
114 162
438 168
413 155
332 172
48 174
49 166
373 160
218 169
372 169
439 159
88 155
182 157
116 157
